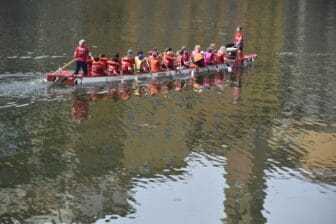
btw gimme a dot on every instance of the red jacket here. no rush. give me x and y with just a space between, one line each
127 65
81 53
113 67
238 38
97 68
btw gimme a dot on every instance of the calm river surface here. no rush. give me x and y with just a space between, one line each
105 154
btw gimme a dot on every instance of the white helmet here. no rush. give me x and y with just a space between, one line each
81 42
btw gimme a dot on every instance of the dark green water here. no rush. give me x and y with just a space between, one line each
102 154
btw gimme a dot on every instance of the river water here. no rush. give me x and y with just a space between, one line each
254 146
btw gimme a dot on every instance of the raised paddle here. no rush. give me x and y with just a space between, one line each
66 65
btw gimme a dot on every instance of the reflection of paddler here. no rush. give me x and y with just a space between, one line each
178 85
80 110
206 82
196 86
236 91
124 92
165 88
153 88
219 78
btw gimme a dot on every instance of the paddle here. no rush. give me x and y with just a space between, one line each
66 65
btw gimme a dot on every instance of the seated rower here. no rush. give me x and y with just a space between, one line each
103 59
213 47
127 63
155 63
169 60
221 55
113 65
196 50
140 62
97 68
89 63
199 59
185 57
209 57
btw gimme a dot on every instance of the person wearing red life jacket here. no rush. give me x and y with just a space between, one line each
127 63
113 65
239 38
213 47
155 63
97 67
81 54
209 57
103 59
221 55
169 60
89 63
185 57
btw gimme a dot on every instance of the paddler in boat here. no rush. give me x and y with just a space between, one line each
197 50
113 65
209 57
81 54
182 60
103 59
221 55
89 61
127 63
98 67
169 60
199 59
155 63
185 57
140 62
213 47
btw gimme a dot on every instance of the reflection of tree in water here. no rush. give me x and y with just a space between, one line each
223 129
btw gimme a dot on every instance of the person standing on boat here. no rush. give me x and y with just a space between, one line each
239 38
81 54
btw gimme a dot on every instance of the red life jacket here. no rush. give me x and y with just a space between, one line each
179 61
81 53
112 67
97 68
185 57
89 64
127 65
169 61
238 38
220 57
155 65
104 60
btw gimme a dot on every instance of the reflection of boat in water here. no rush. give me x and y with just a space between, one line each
156 86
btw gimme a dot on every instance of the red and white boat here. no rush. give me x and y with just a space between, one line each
64 76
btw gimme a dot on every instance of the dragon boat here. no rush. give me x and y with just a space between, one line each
66 76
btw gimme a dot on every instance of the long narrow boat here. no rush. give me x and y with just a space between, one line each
64 76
